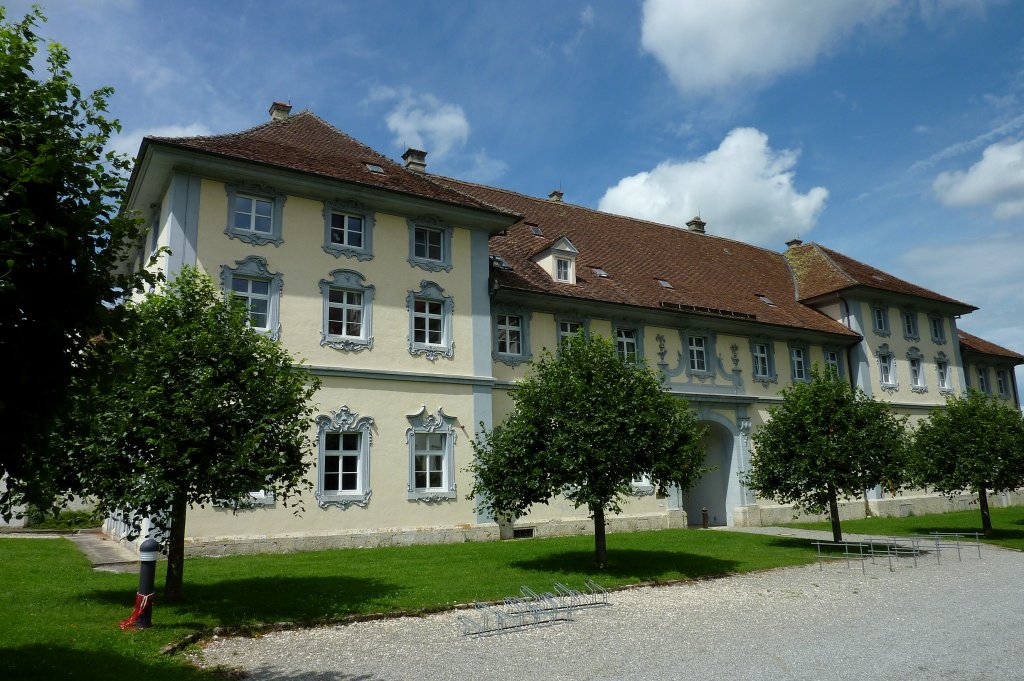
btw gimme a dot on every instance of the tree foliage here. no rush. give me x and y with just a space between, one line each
826 440
584 425
974 444
188 405
61 241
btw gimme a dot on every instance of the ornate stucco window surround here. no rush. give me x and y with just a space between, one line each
430 244
886 369
348 229
347 311
343 460
255 214
431 441
510 328
430 322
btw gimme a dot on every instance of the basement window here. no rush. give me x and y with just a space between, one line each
522 533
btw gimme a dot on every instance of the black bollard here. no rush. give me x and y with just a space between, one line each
148 553
142 614
704 517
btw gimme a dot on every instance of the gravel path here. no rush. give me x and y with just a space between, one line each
958 620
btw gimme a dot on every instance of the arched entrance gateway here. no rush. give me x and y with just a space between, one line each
711 491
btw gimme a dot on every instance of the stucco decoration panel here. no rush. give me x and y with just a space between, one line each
344 420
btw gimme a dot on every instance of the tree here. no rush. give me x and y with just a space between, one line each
976 444
61 241
585 424
826 440
188 405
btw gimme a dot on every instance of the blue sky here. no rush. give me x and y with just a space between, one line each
890 130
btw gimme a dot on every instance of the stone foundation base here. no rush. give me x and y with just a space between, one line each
893 507
248 545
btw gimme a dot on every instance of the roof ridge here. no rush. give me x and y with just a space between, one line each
433 178
239 133
606 213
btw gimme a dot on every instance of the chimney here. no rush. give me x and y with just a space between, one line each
415 160
279 111
792 243
556 195
696 225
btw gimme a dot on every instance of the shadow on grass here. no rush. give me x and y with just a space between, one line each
631 564
266 599
36 662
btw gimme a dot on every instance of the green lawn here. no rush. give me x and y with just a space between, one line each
1007 525
58 617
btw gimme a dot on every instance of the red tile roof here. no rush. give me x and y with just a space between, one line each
974 344
706 272
819 270
306 143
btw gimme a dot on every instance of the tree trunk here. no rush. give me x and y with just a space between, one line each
986 518
176 551
833 513
600 546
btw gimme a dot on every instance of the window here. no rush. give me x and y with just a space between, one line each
910 331
938 329
664 283
626 344
256 295
510 334
430 322
798 362
431 456
429 466
343 462
764 361
885 365
983 379
880 320
430 244
945 381
1002 383
832 362
511 330
886 369
348 230
642 486
563 270
760 359
348 311
697 347
915 362
253 282
254 214
567 328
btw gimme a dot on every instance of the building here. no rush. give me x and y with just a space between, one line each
418 299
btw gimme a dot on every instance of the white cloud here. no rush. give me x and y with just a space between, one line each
996 180
484 169
423 121
721 44
128 142
706 46
744 189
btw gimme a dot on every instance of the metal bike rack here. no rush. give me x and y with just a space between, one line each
531 609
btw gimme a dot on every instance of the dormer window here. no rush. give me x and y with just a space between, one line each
559 261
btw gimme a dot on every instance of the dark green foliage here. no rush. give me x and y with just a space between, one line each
974 444
61 242
585 424
188 405
827 440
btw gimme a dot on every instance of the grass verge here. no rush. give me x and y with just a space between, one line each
1007 525
58 617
